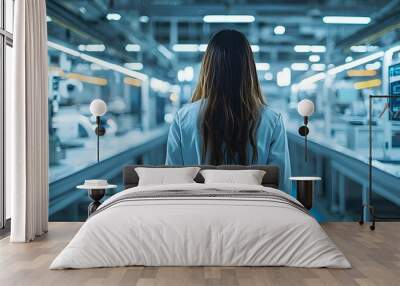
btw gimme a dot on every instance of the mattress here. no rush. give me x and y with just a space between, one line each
201 225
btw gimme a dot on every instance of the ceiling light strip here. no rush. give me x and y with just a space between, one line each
229 18
98 61
349 20
358 73
367 84
333 71
355 63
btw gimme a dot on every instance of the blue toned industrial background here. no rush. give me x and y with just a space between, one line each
143 59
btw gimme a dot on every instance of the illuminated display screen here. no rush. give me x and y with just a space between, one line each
394 89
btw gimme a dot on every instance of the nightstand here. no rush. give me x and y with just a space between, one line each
305 189
96 190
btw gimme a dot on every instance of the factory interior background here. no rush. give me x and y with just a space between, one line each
143 59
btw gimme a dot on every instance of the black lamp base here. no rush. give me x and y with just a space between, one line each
100 131
303 130
305 191
374 217
96 195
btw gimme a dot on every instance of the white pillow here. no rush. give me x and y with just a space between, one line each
166 176
248 177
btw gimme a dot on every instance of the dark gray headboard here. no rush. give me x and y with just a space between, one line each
271 177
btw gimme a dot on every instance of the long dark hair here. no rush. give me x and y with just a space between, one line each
232 96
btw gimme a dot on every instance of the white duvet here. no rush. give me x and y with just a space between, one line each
200 231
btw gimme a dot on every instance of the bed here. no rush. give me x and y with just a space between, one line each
198 224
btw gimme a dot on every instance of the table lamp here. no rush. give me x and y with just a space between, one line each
305 108
98 108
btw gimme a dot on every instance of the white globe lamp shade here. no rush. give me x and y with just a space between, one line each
305 107
98 107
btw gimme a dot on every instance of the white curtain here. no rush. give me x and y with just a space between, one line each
27 121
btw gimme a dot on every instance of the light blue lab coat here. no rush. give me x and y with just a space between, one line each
184 141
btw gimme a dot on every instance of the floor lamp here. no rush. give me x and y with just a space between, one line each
97 188
369 206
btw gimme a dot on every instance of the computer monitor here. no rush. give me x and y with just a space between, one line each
394 89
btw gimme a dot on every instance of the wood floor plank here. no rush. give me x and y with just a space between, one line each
375 257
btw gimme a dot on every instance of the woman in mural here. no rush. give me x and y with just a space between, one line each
228 121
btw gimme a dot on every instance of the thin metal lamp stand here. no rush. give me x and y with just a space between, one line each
303 131
100 131
369 206
97 194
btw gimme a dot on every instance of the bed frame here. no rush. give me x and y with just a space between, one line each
270 179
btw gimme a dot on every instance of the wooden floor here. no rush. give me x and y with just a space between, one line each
375 257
